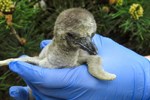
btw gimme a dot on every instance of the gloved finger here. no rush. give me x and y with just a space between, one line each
22 93
40 76
44 43
19 92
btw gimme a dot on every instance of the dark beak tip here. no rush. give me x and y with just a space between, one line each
87 45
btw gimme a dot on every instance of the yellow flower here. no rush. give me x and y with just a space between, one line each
6 5
105 9
119 2
111 2
136 11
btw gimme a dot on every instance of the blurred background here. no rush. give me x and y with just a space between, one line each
25 23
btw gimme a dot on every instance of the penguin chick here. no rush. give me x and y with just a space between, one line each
72 45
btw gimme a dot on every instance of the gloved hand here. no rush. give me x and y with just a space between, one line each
132 82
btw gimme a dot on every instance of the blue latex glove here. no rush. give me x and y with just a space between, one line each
132 82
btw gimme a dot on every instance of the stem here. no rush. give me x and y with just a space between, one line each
113 26
13 31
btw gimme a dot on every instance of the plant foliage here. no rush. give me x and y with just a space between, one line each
34 24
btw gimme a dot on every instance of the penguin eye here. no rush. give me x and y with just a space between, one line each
70 34
73 35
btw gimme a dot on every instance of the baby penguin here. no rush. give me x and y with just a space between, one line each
71 46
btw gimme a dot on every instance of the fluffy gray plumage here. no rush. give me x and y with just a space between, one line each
71 45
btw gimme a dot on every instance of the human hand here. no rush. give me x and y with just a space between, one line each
77 84
148 57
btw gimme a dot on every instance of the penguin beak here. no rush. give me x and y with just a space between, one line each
86 44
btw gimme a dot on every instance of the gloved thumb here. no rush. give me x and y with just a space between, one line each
44 43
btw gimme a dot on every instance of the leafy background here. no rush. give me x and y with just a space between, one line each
34 24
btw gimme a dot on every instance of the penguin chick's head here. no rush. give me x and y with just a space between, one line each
78 26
